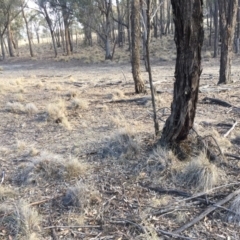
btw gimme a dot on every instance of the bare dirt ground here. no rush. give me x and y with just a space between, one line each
77 156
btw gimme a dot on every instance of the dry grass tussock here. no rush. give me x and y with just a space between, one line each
81 195
6 192
77 103
122 145
57 113
234 215
20 219
162 165
46 167
118 94
160 159
223 142
200 174
16 107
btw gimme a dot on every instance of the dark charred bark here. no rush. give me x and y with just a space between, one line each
188 19
227 14
136 34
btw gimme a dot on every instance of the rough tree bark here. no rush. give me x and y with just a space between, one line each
188 19
9 40
216 26
227 14
136 34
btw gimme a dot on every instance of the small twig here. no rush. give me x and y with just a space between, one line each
124 221
174 235
124 75
40 202
206 193
86 226
232 156
206 212
3 177
230 130
54 234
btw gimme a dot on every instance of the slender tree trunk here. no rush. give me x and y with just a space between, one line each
227 14
210 26
144 33
28 34
167 27
120 26
129 25
189 34
216 32
2 47
108 54
156 126
238 28
161 30
67 44
49 22
9 39
139 83
70 39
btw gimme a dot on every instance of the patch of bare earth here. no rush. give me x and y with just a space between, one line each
79 158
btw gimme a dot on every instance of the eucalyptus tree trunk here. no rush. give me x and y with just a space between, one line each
227 14
216 26
136 34
120 26
189 34
144 33
66 28
49 22
129 25
2 47
28 33
238 28
9 40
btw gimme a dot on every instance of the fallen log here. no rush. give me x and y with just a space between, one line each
216 101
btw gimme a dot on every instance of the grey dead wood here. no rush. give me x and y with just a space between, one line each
208 100
174 235
231 129
207 211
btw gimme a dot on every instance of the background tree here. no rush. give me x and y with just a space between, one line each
9 10
188 19
136 33
227 14
44 7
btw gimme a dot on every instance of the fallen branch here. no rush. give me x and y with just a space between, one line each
167 191
230 130
86 226
3 177
174 235
141 100
125 221
206 212
232 156
216 101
